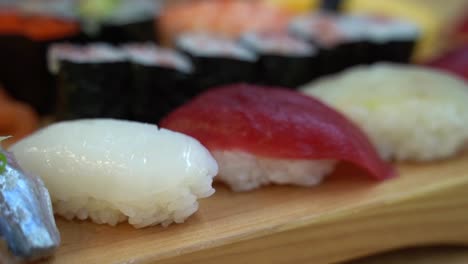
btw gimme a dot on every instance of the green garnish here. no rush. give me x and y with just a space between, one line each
3 162
3 158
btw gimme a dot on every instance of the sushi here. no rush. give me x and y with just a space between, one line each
341 45
278 52
117 21
24 40
160 81
112 171
27 223
348 40
266 135
387 39
93 80
454 61
227 18
409 112
217 60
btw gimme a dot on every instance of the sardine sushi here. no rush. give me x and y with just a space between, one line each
409 112
263 135
27 223
112 171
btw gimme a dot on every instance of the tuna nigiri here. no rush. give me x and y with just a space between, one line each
262 135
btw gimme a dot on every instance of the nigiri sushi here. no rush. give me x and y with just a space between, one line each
262 135
409 112
111 171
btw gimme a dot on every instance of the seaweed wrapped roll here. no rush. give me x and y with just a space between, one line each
118 21
217 60
283 60
340 44
24 39
93 79
160 81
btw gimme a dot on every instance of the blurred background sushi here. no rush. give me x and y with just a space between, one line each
140 60
170 51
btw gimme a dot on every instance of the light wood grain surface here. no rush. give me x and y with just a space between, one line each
426 255
349 216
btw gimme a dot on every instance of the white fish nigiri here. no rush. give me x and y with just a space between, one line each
409 112
112 170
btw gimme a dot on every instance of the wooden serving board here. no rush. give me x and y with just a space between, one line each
348 216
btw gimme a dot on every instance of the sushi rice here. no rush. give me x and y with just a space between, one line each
243 171
409 112
112 171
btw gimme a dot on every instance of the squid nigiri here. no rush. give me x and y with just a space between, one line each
112 171
263 135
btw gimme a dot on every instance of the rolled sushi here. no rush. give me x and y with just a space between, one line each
409 112
93 80
112 171
118 21
217 60
24 40
160 81
387 39
283 59
266 135
341 45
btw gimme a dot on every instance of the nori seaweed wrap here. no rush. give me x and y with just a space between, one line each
93 81
387 39
24 40
119 21
217 60
341 46
160 81
283 60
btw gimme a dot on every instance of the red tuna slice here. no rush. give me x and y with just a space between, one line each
455 61
275 123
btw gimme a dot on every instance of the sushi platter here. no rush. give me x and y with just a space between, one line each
345 218
229 131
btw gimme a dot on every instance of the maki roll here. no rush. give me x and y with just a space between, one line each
217 60
93 80
340 45
160 81
24 40
283 60
118 21
387 39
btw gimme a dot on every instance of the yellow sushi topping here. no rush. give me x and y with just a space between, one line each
297 6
